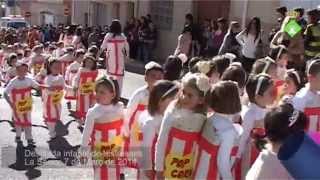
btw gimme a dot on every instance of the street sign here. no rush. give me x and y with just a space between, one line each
292 28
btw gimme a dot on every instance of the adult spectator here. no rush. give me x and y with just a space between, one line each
218 36
230 44
184 42
300 19
143 35
312 36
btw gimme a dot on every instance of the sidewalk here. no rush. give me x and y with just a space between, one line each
134 66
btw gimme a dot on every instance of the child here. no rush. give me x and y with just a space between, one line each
83 83
260 92
209 68
181 128
52 98
26 55
237 74
265 65
66 59
293 82
138 102
103 124
219 135
278 127
117 51
161 95
18 95
71 71
308 98
59 51
11 72
37 59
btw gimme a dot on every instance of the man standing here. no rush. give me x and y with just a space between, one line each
312 35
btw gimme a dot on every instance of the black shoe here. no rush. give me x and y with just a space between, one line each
18 140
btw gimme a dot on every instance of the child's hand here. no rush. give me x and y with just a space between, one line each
159 175
149 173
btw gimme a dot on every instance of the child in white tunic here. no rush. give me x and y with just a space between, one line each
308 98
181 128
260 92
279 123
102 131
219 137
161 95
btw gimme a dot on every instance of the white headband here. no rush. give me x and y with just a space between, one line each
310 65
260 79
295 73
280 51
293 118
269 61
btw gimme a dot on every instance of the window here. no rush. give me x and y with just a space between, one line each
162 14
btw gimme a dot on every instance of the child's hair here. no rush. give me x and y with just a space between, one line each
37 48
205 67
91 58
257 85
221 63
50 62
201 84
224 98
235 73
12 56
112 85
152 66
296 78
276 53
192 64
161 90
314 67
69 49
283 121
93 50
263 65
172 68
79 52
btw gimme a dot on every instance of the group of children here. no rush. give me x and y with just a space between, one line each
216 122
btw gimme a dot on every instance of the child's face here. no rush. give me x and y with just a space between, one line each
22 71
104 95
267 97
315 81
273 72
153 76
289 86
89 64
55 68
190 98
13 62
80 58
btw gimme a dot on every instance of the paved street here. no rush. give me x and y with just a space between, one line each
51 167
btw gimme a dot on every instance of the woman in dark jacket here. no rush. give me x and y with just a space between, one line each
230 44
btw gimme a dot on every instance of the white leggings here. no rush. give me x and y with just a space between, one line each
27 131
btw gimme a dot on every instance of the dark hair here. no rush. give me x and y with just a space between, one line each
162 89
79 52
49 63
276 53
282 10
236 74
192 64
93 50
91 58
314 67
115 28
292 75
276 123
79 31
258 27
252 85
221 63
172 68
112 86
300 11
224 98
262 65
189 17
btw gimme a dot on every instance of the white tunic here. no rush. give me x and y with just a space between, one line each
267 166
117 50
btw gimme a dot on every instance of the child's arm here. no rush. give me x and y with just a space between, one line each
239 38
248 123
88 128
131 106
6 92
162 142
227 139
149 134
